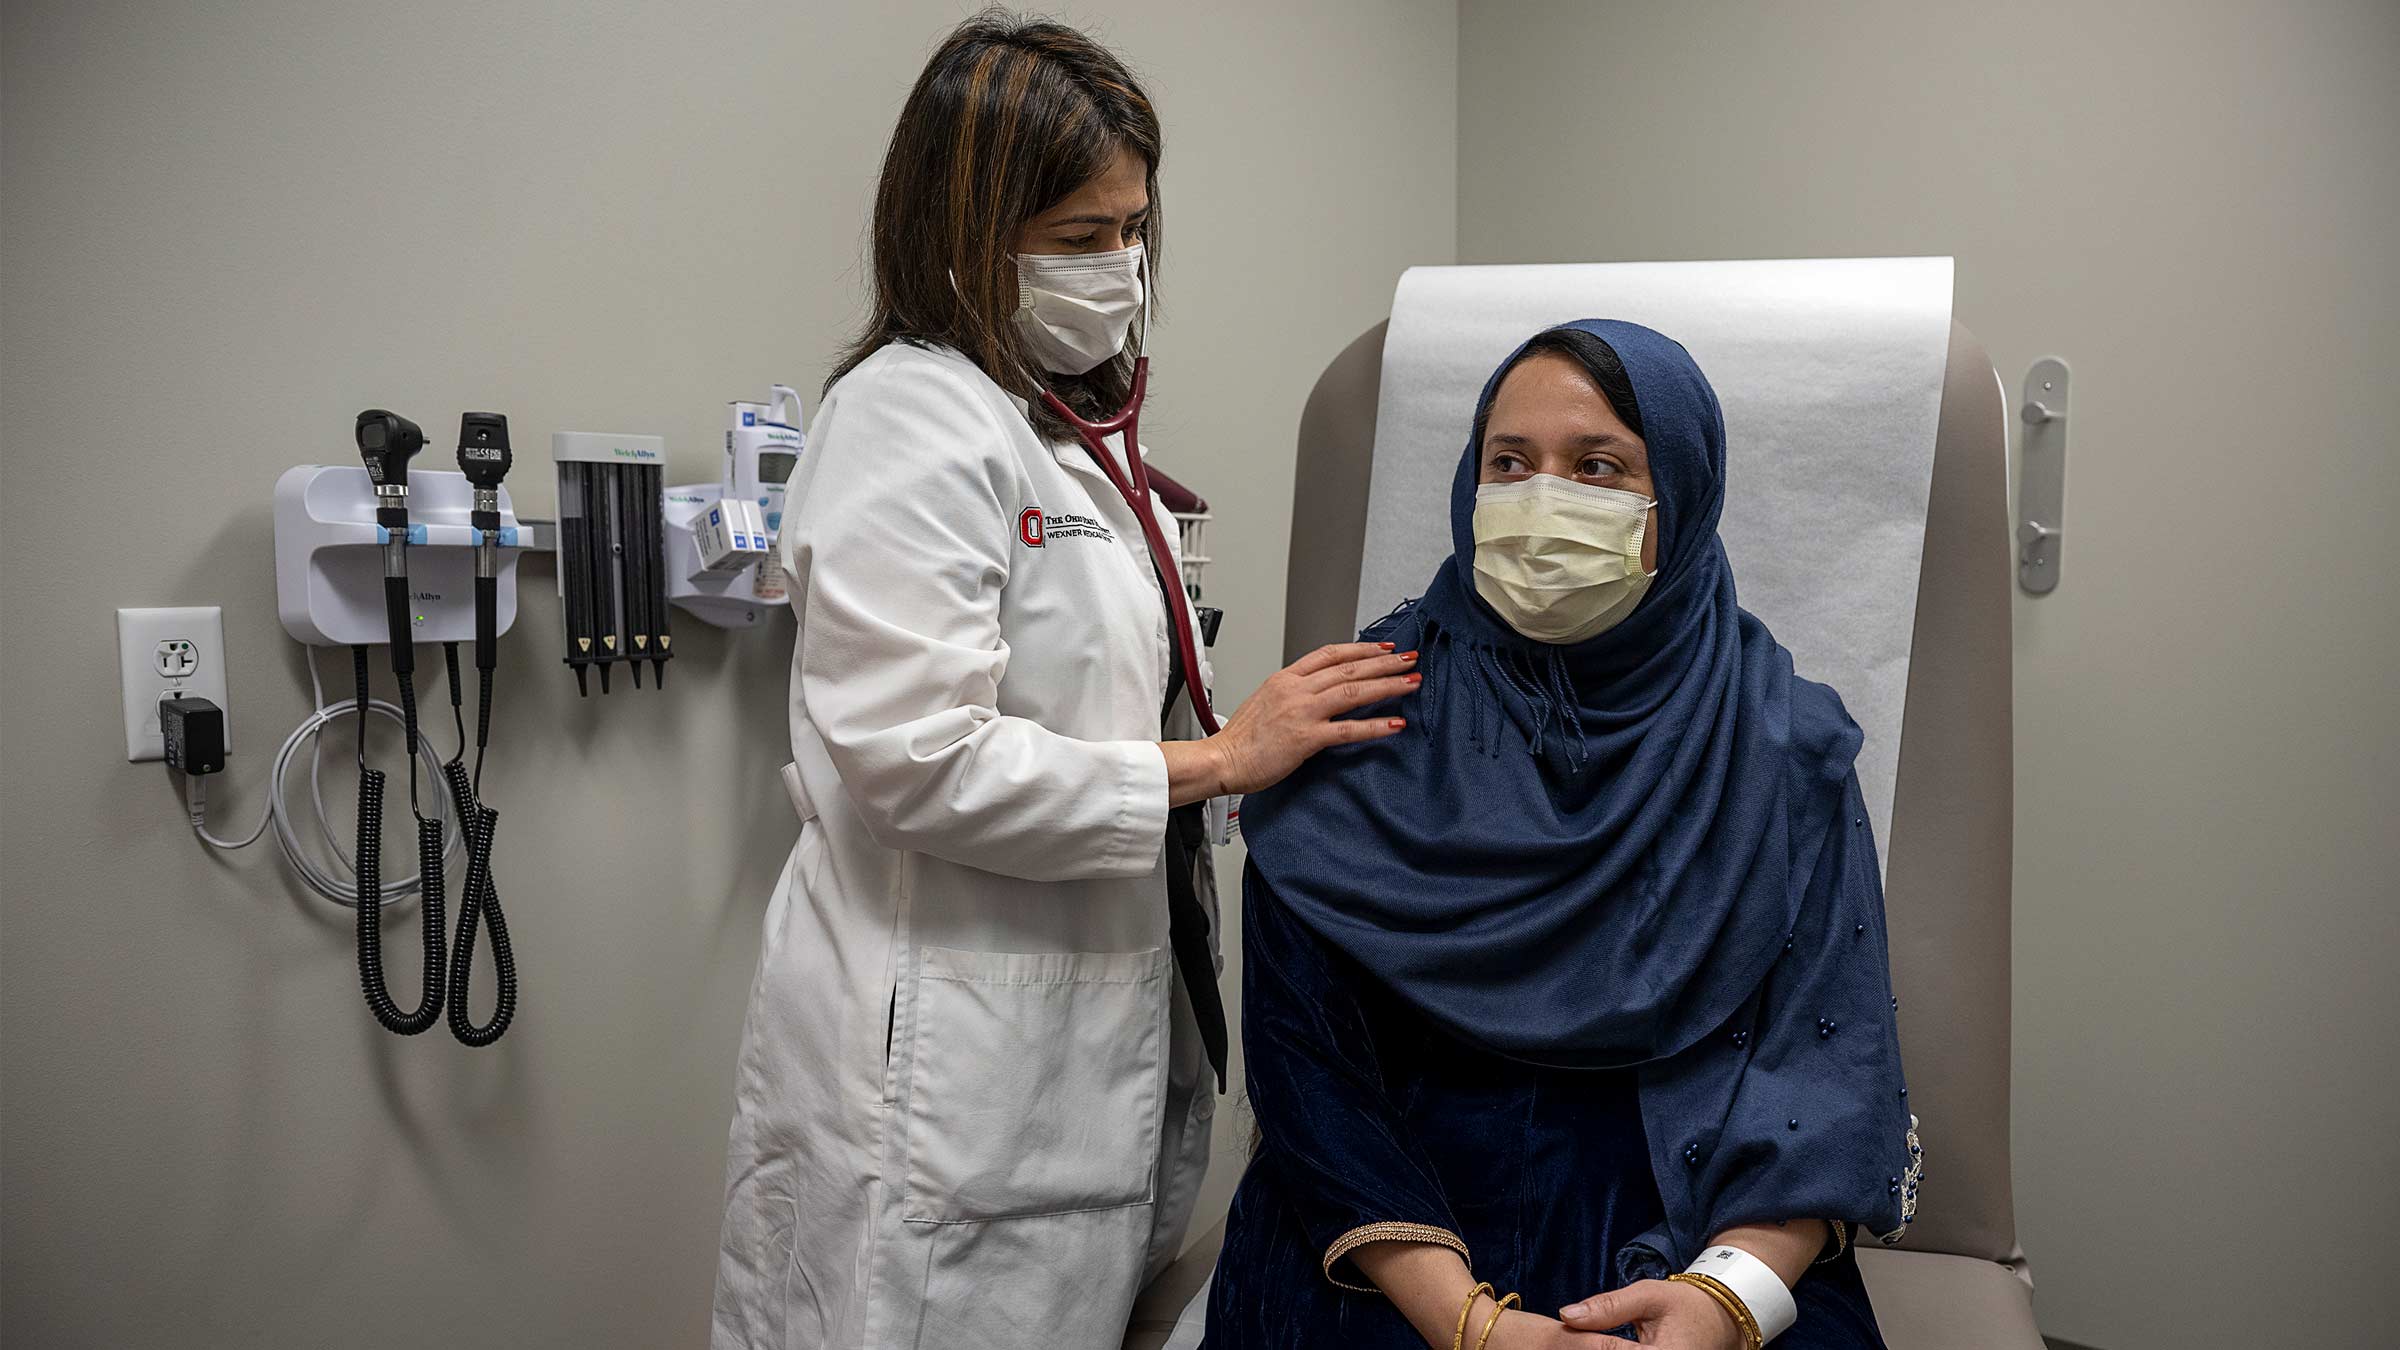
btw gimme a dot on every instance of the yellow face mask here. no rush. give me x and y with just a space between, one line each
1560 560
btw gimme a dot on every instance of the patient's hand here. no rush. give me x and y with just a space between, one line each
1531 1331
1662 1312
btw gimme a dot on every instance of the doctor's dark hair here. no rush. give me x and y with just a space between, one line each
1598 359
1010 116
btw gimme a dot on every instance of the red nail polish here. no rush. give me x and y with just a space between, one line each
1416 678
1408 656
1387 646
1399 722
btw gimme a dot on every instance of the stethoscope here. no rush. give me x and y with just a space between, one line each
1187 923
1132 482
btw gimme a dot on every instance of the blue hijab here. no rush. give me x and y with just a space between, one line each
1584 854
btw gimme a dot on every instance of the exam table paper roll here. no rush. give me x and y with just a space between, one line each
1830 372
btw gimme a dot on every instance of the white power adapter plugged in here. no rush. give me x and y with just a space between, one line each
168 653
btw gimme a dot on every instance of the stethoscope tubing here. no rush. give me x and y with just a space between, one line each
1133 484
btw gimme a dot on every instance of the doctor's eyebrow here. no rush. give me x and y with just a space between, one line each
1097 218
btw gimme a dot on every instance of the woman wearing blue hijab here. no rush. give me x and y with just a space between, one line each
1568 1012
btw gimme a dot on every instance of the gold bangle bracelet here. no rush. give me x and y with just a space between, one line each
1388 1232
1841 1241
1709 1288
1743 1322
1497 1310
1458 1338
1730 1301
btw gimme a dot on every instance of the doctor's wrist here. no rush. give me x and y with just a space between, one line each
1195 771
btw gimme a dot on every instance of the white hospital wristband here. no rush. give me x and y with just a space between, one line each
1755 1283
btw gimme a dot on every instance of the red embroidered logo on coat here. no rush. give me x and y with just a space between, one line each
1035 529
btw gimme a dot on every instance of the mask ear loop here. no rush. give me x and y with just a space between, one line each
1141 345
1032 381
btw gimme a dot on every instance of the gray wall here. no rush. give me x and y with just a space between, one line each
2193 203
228 227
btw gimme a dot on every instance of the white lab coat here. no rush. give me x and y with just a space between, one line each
971 1110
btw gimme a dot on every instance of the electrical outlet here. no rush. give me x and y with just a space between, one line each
178 658
168 653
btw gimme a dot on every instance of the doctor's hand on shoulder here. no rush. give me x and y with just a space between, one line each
1297 712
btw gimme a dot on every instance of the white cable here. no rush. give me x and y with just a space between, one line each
339 883
316 759
195 796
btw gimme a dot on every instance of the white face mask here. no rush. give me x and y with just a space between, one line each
1076 309
1560 560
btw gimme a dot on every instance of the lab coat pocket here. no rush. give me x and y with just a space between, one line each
1034 1082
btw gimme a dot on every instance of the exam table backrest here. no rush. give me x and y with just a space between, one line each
1948 860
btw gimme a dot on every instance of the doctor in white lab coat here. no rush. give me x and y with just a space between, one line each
972 1102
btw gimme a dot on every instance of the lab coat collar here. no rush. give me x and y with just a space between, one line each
1067 450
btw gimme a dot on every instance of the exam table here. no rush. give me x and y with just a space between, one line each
1960 1282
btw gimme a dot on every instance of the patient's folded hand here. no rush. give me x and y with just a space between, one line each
1531 1331
1661 1312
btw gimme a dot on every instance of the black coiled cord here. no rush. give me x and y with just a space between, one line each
483 728
478 901
370 880
450 656
408 720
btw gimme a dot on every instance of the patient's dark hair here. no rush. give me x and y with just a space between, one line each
1598 359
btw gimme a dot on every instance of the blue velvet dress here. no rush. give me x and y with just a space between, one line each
1544 1173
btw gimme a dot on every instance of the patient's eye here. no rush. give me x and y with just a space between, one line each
1599 466
1508 461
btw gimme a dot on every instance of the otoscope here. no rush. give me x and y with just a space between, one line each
386 442
484 458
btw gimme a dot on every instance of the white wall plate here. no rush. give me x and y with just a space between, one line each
163 652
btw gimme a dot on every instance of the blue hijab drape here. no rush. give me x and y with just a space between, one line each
1597 854
1611 896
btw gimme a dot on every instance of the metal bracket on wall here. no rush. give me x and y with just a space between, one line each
2042 476
537 536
